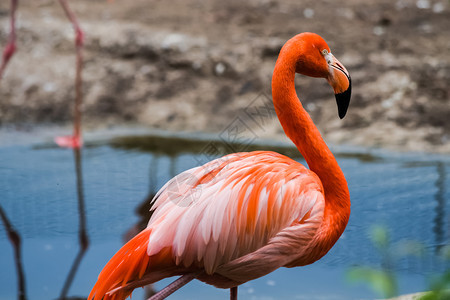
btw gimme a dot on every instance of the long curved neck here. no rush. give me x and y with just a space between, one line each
299 127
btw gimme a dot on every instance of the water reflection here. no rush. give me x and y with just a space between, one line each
439 197
143 210
83 238
16 243
440 207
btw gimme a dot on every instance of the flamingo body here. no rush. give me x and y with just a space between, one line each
243 207
69 141
245 215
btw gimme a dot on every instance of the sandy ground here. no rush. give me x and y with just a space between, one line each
196 65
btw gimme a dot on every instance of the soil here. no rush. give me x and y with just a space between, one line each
199 65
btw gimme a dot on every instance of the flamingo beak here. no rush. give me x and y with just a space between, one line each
340 80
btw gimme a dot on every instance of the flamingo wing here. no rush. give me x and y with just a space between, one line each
240 216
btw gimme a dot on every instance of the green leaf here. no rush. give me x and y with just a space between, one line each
440 288
381 282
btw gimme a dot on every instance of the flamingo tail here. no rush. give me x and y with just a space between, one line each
128 269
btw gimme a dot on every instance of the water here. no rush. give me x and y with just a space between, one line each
70 223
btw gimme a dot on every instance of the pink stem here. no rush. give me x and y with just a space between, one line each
10 47
79 41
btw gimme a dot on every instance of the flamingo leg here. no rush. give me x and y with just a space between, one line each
10 47
171 288
233 293
75 141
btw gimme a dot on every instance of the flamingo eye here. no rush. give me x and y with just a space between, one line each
327 56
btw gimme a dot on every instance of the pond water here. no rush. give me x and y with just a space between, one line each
73 211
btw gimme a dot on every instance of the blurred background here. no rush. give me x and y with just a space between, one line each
169 85
160 64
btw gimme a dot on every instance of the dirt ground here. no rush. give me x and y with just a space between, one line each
194 65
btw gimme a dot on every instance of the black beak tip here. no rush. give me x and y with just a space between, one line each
343 101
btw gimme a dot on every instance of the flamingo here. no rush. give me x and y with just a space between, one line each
244 215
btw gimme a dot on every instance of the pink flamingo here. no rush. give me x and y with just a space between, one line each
244 215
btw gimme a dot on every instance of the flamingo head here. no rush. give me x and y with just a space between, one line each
316 60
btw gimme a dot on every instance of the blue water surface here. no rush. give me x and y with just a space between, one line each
409 194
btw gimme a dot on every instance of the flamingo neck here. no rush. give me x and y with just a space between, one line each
299 127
